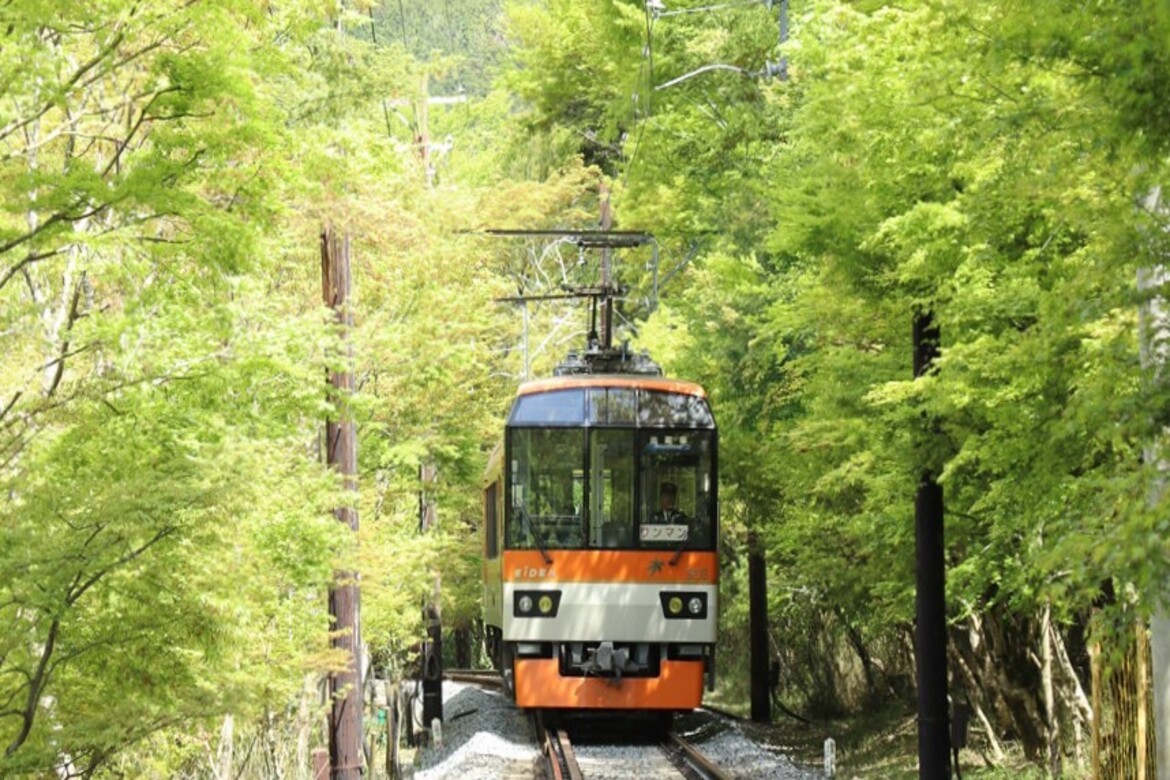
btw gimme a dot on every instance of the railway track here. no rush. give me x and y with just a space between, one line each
559 754
588 749
488 678
669 758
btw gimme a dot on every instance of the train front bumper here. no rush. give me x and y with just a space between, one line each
539 684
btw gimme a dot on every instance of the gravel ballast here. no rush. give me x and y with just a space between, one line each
486 738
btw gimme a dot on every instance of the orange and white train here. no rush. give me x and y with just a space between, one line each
597 594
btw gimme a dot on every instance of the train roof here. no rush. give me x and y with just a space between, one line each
655 383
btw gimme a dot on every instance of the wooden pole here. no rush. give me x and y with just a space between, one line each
345 687
424 130
394 703
320 764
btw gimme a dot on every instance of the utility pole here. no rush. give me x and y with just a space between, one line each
432 668
423 139
930 631
758 629
606 313
345 687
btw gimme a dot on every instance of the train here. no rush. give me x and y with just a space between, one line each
600 540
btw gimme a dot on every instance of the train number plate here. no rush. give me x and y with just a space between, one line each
663 532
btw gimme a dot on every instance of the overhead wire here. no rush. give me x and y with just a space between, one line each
653 10
647 67
706 8
385 104
641 102
402 24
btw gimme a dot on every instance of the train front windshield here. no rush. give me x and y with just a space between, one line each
611 468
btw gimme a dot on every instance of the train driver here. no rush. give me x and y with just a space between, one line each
668 512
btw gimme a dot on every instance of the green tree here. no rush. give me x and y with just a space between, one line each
165 540
981 162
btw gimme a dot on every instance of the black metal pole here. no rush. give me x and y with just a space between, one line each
606 259
758 619
930 635
432 671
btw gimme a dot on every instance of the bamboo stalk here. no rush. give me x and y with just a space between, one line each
1139 684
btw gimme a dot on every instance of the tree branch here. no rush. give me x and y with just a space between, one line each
103 53
73 595
60 216
29 259
8 407
64 352
19 441
35 686
143 117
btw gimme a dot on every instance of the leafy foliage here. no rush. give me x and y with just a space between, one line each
168 543
165 173
982 162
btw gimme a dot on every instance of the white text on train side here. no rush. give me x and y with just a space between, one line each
532 573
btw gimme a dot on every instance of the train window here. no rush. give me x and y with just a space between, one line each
490 520
560 407
547 488
673 410
611 487
613 406
677 471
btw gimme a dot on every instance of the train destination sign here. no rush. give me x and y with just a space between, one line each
663 532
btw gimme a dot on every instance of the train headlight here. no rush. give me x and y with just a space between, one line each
683 605
536 603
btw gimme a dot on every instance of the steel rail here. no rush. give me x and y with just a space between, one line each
694 759
546 747
486 677
565 747
557 750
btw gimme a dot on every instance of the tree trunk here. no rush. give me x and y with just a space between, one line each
960 645
463 647
1051 718
393 718
1015 673
1073 696
858 644
1095 665
223 763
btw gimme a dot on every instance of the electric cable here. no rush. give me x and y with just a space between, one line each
647 68
715 7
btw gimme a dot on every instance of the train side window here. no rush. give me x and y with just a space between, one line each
491 520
